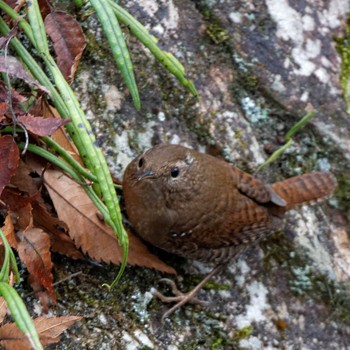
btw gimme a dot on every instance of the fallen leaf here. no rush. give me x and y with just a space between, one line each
60 241
20 208
23 180
17 98
41 126
12 66
9 232
3 304
68 41
60 136
41 294
3 309
3 109
34 251
45 7
9 160
94 237
49 329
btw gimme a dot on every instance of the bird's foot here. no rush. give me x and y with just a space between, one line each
179 297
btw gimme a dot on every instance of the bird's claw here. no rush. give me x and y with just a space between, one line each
179 297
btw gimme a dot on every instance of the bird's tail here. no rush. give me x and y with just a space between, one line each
305 188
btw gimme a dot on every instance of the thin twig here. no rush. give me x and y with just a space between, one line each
58 282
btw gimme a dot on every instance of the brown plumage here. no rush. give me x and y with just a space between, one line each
203 208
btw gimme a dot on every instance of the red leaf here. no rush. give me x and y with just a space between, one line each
34 251
68 41
9 160
41 126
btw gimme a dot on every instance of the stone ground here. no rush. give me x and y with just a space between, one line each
259 66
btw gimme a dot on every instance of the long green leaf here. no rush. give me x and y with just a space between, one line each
38 28
91 153
116 41
20 314
165 58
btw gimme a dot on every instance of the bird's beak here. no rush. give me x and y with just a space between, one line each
146 174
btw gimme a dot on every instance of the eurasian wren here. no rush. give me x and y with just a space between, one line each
200 207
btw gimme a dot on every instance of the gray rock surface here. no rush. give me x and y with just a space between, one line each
259 66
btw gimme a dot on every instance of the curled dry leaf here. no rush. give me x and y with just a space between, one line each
34 251
13 67
49 330
9 160
41 126
93 236
68 41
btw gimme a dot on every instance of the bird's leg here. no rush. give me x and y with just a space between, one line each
183 298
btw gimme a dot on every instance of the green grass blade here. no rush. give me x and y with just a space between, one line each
300 124
79 129
37 25
5 268
165 58
20 314
275 155
116 41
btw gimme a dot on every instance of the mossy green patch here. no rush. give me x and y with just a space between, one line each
342 45
342 192
243 333
217 33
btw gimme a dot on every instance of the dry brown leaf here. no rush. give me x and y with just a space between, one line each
16 97
3 109
23 181
75 208
60 136
9 160
60 241
3 304
68 41
42 295
12 66
9 232
41 126
49 330
22 217
3 309
34 251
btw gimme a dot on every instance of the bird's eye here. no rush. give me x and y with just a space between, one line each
174 172
141 162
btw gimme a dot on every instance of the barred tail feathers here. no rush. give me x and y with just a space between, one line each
305 188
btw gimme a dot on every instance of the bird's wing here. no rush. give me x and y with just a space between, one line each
257 190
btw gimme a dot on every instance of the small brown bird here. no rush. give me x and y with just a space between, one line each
203 208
